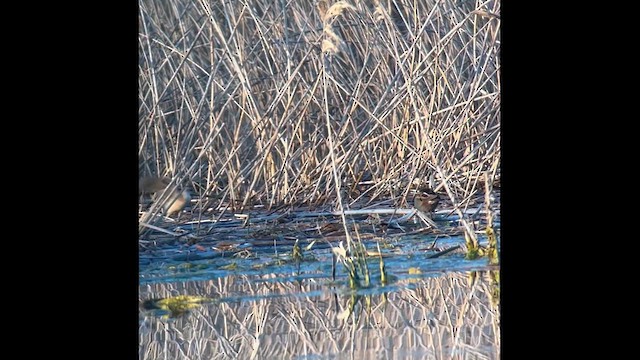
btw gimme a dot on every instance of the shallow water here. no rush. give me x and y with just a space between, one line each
402 255
253 300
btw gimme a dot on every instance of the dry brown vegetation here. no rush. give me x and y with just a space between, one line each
290 103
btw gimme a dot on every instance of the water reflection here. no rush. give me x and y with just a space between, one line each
451 315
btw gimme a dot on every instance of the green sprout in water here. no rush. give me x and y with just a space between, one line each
296 254
355 265
473 249
492 251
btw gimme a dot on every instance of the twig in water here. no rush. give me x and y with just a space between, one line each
438 254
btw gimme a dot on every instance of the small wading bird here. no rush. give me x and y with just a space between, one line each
426 201
155 186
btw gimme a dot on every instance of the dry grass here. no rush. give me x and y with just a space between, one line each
293 103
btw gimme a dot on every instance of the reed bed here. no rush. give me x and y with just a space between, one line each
320 103
326 106
453 316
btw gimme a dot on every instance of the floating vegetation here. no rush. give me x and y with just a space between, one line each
174 306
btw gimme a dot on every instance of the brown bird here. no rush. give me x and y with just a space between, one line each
426 201
155 186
